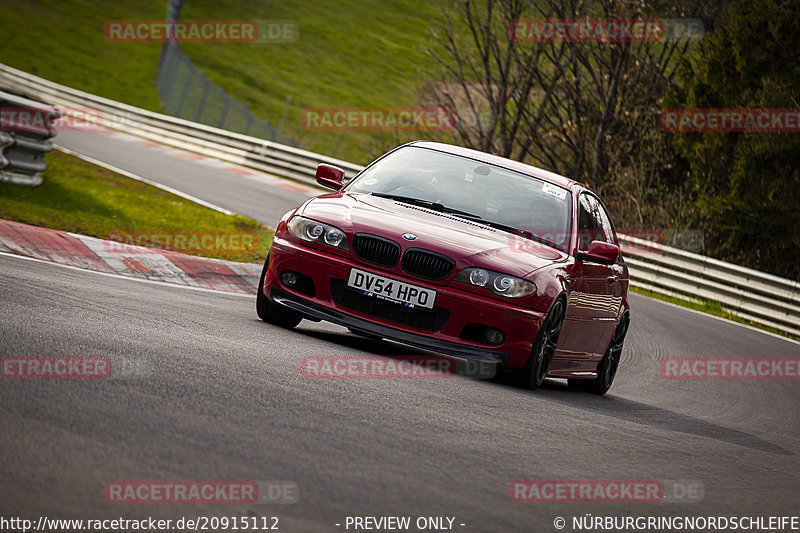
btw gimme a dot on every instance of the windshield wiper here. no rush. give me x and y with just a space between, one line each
493 224
436 206
504 227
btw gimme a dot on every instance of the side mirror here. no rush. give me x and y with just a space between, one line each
330 176
600 252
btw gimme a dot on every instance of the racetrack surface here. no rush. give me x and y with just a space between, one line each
211 392
229 186
214 393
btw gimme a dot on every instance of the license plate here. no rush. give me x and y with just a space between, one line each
391 289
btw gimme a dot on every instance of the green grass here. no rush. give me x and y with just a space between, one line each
63 41
709 307
83 198
347 55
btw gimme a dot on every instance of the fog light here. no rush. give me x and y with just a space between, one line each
289 279
494 336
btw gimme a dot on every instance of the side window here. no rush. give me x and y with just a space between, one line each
593 222
605 223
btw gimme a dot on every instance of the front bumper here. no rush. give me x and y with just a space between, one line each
330 315
455 309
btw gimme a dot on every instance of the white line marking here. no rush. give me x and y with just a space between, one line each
129 278
719 318
136 177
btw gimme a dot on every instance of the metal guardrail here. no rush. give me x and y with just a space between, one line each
750 294
24 133
274 158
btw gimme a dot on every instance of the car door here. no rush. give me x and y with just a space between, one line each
595 296
601 283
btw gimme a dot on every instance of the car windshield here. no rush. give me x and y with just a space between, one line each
473 189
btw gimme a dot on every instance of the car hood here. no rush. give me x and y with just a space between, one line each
468 243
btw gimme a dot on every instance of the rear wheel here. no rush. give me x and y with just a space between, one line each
532 375
607 370
270 312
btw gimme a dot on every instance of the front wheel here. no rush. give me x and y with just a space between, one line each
532 375
607 370
271 313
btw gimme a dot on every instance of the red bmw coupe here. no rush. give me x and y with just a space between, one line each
463 253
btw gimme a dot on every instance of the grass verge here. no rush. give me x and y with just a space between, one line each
83 198
712 308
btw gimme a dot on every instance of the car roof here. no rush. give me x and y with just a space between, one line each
517 166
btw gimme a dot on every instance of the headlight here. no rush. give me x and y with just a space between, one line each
503 283
309 230
500 284
479 277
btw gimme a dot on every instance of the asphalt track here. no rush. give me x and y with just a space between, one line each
208 391
224 185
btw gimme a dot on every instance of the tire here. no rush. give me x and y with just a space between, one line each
607 369
532 375
271 313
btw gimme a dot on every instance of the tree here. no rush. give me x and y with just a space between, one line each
588 110
747 183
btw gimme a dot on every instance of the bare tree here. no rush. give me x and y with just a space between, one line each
578 108
485 73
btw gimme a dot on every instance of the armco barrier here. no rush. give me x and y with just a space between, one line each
267 156
24 133
751 294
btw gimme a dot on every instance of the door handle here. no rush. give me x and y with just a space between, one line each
611 279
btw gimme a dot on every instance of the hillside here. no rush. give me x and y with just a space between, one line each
346 56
